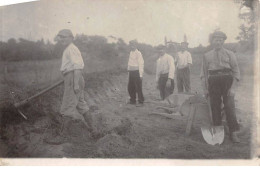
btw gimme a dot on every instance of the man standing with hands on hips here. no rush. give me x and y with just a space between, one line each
135 71
220 75
184 61
165 70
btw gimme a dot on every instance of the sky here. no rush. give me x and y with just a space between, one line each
148 21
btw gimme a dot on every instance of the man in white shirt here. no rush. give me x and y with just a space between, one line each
74 106
183 61
135 71
165 70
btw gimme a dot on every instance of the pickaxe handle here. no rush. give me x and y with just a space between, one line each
19 104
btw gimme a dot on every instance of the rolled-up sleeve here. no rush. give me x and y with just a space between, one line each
234 66
76 58
189 58
140 64
171 67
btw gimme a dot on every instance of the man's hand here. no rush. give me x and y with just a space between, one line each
168 83
206 93
232 90
76 77
76 89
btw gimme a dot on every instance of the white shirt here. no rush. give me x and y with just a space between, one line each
136 62
183 59
165 64
71 59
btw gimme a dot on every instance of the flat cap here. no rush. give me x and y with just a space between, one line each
65 33
219 34
133 41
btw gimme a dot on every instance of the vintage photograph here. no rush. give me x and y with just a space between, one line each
129 79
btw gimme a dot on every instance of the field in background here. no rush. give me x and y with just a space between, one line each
30 75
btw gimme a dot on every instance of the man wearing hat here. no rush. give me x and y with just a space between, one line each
74 106
165 70
135 71
183 62
220 74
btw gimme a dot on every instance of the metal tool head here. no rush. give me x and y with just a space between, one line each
213 135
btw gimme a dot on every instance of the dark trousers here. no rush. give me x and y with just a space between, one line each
183 79
162 86
135 87
219 86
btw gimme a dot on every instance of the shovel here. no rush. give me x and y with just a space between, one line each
212 134
24 102
20 104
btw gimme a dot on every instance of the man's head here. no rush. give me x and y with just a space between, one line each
133 45
161 50
184 46
64 37
217 39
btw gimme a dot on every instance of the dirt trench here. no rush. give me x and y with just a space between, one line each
128 131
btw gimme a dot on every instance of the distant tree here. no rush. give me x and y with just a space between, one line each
247 28
10 51
11 42
3 51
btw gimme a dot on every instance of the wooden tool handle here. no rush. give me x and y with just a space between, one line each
210 111
17 105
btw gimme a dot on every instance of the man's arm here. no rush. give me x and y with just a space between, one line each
78 65
234 66
236 73
76 75
171 67
140 64
189 60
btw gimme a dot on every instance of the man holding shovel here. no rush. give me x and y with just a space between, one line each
165 69
74 106
220 74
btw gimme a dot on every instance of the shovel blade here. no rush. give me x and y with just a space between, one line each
213 135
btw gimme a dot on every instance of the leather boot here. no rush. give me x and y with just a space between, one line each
60 134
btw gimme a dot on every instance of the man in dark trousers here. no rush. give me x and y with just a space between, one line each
135 71
183 61
220 74
165 70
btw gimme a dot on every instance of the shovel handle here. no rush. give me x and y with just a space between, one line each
210 112
19 104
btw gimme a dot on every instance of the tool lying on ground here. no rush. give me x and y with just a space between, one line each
26 101
173 104
212 134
